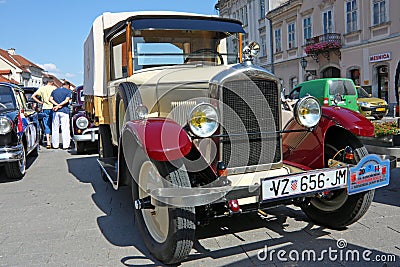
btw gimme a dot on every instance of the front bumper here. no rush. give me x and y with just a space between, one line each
370 173
374 111
88 135
13 153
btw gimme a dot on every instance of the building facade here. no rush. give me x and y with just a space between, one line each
357 39
252 15
19 70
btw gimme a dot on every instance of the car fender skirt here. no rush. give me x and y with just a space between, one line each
350 120
162 139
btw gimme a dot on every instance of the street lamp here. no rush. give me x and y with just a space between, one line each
303 63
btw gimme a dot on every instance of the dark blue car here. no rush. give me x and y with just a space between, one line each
19 130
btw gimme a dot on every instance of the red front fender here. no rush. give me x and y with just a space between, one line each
307 148
350 120
162 139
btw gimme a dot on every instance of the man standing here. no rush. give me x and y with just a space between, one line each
44 93
60 98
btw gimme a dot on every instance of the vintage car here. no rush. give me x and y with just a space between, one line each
19 130
84 130
195 129
371 106
28 93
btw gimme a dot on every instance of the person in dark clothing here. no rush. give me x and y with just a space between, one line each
60 98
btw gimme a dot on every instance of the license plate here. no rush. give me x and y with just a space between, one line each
380 109
304 183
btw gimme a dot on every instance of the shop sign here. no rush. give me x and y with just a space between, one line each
380 57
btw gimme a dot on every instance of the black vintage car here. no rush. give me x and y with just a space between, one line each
29 91
84 130
19 130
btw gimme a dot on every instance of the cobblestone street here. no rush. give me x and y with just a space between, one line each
63 214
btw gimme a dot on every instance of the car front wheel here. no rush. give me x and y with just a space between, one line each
168 232
337 209
17 169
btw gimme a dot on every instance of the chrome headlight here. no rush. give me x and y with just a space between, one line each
363 104
82 123
5 125
307 111
203 120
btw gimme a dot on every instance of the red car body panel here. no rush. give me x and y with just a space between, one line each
307 148
162 139
350 120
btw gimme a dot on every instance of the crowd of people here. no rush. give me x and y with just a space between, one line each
55 113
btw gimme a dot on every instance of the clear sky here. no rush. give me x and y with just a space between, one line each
50 33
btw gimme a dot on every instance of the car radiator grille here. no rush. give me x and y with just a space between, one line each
250 106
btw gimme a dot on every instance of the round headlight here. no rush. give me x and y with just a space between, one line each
307 111
82 123
5 125
203 120
363 104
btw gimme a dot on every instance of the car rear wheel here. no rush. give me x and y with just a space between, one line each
167 232
17 169
337 209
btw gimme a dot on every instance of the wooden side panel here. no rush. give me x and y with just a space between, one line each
101 109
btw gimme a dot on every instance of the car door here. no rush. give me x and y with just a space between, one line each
29 118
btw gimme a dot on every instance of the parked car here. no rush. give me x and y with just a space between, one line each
84 130
28 93
19 130
329 91
371 106
195 129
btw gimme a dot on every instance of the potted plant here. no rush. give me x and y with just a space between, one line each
388 131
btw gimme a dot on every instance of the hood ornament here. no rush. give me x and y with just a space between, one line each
251 51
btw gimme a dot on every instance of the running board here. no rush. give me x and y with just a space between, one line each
109 167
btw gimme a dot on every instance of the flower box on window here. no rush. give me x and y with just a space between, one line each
318 48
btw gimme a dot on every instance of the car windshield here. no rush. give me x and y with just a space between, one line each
341 87
362 93
171 47
7 98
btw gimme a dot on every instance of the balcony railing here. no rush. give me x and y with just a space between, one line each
328 37
322 44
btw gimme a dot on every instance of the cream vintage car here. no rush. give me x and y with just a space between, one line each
195 129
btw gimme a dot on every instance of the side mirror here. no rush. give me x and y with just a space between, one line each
337 98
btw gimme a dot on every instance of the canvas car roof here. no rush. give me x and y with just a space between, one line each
108 23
